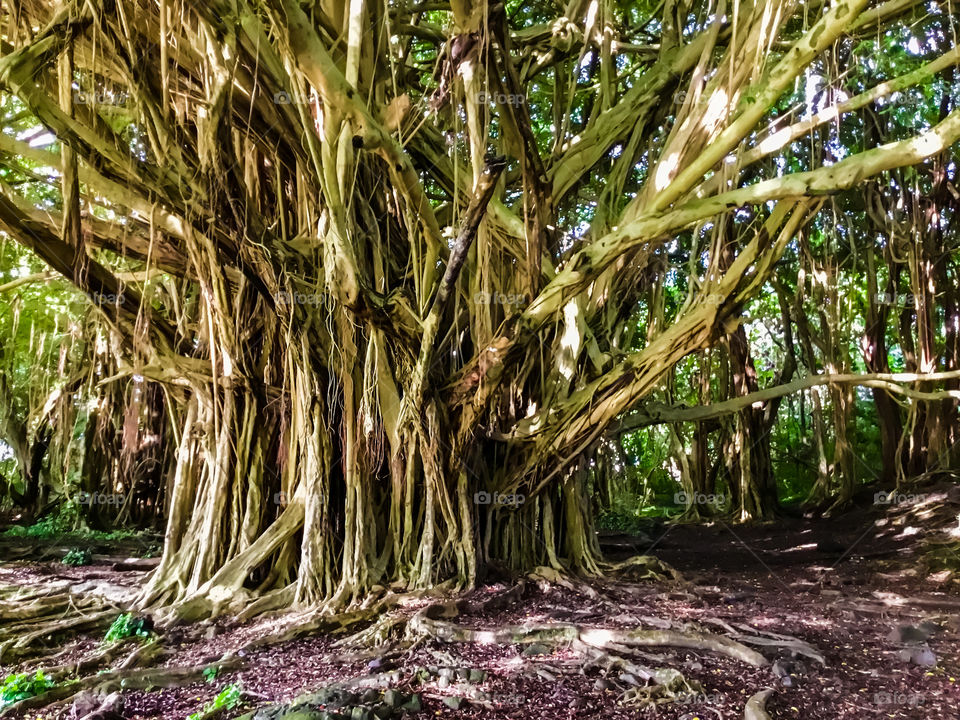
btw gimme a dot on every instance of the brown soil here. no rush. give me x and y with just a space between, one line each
845 594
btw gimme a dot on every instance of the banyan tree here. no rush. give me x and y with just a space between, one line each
379 263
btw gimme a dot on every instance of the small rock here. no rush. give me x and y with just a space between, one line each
536 649
359 713
908 634
476 676
453 702
787 671
630 679
443 681
448 673
369 696
546 675
413 704
924 657
382 711
831 547
603 684
394 698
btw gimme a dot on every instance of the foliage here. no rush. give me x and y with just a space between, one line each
22 686
127 625
629 519
226 699
77 557
55 525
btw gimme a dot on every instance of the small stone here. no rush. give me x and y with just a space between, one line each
359 713
413 704
908 634
394 698
448 673
630 679
453 702
536 649
924 657
369 696
382 711
546 675
602 684
443 681
477 676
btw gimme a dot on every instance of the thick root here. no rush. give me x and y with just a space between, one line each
433 621
756 708
125 678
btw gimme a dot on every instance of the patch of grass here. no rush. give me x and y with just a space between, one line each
22 686
77 557
226 699
126 626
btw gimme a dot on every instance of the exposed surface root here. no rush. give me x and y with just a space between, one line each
31 622
128 678
756 708
432 621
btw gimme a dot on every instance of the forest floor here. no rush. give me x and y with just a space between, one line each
875 604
